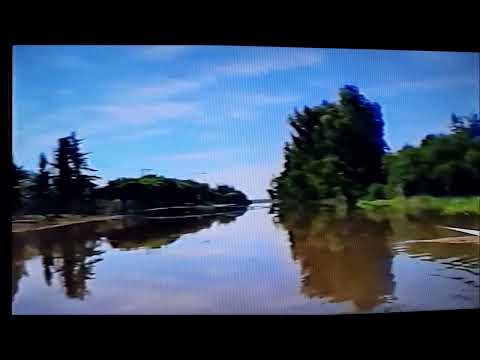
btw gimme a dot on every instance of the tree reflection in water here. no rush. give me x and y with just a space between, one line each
71 252
343 257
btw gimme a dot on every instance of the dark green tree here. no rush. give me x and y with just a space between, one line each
335 151
41 184
63 180
18 176
443 165
72 185
82 183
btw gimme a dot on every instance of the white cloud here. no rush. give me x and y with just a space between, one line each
141 134
448 58
261 66
165 88
141 113
196 155
92 121
162 52
393 88
265 99
243 114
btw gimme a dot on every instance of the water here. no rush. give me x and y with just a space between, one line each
253 262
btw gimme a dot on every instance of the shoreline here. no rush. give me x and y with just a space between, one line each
469 206
44 226
27 224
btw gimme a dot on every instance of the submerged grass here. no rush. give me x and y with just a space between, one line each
442 205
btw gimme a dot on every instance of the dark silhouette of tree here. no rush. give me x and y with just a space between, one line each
41 184
83 184
18 175
63 180
71 183
336 151
153 191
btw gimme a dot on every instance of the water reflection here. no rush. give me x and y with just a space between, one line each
342 258
71 252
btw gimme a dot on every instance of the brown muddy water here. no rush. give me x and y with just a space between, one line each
249 262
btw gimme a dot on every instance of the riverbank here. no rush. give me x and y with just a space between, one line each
41 222
443 206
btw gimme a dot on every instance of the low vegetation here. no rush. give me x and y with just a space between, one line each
444 206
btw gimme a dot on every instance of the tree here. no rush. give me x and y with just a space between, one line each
18 176
71 183
442 165
336 150
63 180
41 183
154 191
82 183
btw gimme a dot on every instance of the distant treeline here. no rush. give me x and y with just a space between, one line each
152 190
338 152
67 185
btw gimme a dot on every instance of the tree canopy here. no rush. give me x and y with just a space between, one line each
152 190
335 151
442 165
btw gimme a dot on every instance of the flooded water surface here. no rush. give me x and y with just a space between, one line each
248 262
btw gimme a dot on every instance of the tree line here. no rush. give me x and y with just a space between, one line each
60 185
338 151
67 185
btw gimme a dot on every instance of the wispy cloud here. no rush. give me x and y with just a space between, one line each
439 57
141 113
161 52
393 88
141 134
196 155
95 121
261 66
269 99
242 114
164 88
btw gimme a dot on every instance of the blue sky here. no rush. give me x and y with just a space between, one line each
218 113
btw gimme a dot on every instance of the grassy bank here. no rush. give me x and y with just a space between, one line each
444 206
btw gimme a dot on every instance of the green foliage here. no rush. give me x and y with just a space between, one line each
152 191
419 204
71 183
41 184
443 165
376 191
335 152
18 176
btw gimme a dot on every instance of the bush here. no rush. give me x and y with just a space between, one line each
376 191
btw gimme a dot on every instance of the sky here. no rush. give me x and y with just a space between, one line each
218 114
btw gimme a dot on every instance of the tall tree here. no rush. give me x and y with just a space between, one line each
18 175
71 183
83 184
41 183
63 180
336 150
